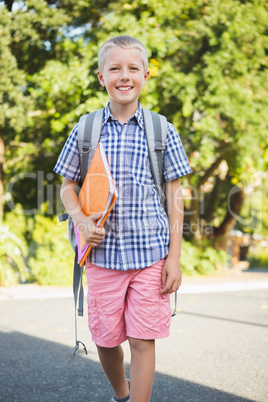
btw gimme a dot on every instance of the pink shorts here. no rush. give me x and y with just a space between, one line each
124 304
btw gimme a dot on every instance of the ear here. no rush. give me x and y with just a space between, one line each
101 78
146 76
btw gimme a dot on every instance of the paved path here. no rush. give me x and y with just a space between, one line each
230 280
217 350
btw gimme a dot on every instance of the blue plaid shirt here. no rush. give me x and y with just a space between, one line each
137 229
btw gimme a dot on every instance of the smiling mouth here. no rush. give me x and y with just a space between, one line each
124 88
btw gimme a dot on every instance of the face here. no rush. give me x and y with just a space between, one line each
123 75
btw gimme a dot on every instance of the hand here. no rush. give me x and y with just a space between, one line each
171 276
91 234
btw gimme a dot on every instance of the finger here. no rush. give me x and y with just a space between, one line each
163 278
94 237
94 244
98 232
95 217
170 286
166 288
94 241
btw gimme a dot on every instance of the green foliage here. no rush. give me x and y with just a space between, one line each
202 260
13 266
208 64
209 76
254 214
13 103
36 30
189 258
39 252
50 254
258 257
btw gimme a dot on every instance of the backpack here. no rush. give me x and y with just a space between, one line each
89 130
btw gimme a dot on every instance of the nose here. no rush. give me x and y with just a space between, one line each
124 74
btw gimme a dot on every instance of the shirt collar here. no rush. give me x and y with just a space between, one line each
138 115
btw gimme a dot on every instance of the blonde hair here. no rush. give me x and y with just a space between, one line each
126 42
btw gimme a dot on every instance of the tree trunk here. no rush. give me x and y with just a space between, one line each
212 200
235 202
192 219
191 226
219 180
2 157
9 4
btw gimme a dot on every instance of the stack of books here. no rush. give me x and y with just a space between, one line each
97 196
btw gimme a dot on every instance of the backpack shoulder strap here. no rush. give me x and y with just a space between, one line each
89 130
156 134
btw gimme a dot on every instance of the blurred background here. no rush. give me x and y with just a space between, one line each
208 61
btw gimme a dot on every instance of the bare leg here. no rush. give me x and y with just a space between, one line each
142 369
112 361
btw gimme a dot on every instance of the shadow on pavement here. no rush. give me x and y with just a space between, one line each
255 270
33 369
255 324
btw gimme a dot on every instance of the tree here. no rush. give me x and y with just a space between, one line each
13 104
28 38
208 62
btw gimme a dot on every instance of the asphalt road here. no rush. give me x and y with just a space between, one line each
217 351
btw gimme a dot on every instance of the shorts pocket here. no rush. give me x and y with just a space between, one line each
112 321
165 312
93 316
144 317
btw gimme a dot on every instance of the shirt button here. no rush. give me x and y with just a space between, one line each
120 236
120 185
120 211
121 159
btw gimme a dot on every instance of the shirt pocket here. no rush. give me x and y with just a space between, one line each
138 164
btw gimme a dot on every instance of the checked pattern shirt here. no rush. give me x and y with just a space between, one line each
137 229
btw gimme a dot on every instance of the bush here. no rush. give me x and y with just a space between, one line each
50 254
13 266
39 252
190 256
258 257
202 260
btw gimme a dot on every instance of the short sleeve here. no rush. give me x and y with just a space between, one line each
176 163
68 164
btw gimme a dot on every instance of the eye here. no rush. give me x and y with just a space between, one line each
114 68
134 68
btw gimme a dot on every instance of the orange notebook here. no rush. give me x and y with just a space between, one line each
97 195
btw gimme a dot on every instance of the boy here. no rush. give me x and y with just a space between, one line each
134 265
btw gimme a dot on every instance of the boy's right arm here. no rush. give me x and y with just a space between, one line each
86 224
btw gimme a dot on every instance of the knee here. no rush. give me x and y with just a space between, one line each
115 352
141 345
104 351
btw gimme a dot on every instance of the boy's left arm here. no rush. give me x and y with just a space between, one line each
171 274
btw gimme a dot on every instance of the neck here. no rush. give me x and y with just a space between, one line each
123 112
